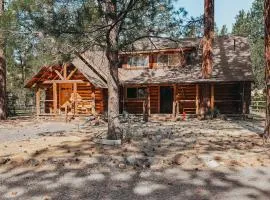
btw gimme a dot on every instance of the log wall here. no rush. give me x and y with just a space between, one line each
86 93
186 96
228 98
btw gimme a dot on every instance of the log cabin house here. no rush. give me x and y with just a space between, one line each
157 76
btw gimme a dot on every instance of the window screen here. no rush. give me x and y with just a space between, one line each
138 61
162 60
136 93
174 60
131 93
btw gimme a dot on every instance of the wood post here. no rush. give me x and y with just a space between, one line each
267 65
65 71
75 88
197 99
175 107
207 65
38 101
149 102
212 96
93 102
54 98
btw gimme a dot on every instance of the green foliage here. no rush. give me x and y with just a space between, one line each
44 32
251 25
223 31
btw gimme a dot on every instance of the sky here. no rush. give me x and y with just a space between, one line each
225 10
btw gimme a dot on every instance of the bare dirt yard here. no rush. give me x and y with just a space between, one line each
212 159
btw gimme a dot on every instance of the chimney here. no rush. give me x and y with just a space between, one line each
207 64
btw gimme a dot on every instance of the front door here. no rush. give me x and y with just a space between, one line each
166 100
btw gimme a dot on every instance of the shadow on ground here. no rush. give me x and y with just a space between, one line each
142 169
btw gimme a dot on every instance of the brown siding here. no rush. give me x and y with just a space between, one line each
154 99
186 94
133 106
49 96
228 98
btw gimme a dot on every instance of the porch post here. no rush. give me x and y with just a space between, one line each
75 97
149 103
212 96
54 98
175 107
197 99
38 101
93 102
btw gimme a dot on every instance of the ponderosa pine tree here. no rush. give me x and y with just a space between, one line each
267 65
3 103
108 25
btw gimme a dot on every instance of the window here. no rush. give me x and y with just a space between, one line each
136 93
166 60
138 61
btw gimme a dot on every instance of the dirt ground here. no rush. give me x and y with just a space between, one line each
212 159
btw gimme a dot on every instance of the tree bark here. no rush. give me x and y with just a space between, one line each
114 126
207 65
267 65
3 103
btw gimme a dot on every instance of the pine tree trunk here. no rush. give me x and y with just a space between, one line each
114 126
207 65
3 111
267 63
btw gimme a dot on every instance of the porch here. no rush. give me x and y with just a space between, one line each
191 99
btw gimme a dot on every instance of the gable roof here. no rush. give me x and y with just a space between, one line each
231 63
97 60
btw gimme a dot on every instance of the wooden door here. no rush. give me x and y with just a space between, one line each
166 99
65 93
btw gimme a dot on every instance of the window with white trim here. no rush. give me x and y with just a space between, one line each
168 60
138 61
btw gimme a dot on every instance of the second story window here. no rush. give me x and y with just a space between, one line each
138 61
168 60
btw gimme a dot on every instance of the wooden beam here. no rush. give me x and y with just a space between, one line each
197 99
212 96
63 81
59 74
72 73
65 71
54 98
38 101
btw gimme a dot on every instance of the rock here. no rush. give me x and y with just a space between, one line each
131 160
139 161
122 166
32 162
4 161
179 159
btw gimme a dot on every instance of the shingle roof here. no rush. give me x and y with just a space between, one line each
231 63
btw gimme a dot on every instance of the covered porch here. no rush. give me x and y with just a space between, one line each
191 99
65 91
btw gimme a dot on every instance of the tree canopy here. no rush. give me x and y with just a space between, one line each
250 24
